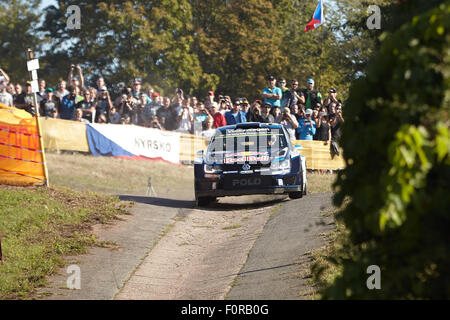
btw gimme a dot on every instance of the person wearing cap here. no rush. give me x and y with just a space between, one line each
272 94
312 97
266 116
323 128
307 127
50 104
235 115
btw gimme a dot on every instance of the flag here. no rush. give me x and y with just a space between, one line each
317 19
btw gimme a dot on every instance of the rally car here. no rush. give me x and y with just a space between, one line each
246 159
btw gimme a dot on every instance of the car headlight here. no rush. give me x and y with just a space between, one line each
211 169
281 166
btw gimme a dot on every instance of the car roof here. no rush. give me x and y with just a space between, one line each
250 125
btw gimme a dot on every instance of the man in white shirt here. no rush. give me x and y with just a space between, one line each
185 117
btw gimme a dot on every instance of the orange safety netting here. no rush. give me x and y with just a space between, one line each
21 158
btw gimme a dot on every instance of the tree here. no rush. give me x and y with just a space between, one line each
121 40
396 146
18 23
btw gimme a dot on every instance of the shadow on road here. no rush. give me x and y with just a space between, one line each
223 204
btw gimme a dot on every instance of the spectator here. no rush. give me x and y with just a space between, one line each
200 116
79 116
218 118
307 127
166 115
41 94
209 99
73 80
3 76
5 97
335 124
102 118
113 116
323 128
209 130
185 117
286 94
87 106
50 104
194 101
11 89
235 115
99 84
103 104
295 95
154 123
125 119
272 94
68 105
266 117
245 105
254 114
331 101
312 97
137 90
28 100
297 112
126 105
77 92
289 122
143 112
275 112
19 97
61 92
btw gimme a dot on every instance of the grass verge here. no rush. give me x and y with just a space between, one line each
322 269
39 226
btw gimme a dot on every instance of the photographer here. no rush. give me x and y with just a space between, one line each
307 127
335 123
200 116
154 123
68 105
289 122
331 101
127 105
323 128
185 117
254 114
72 80
103 103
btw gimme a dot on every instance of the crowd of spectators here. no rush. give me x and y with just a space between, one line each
303 112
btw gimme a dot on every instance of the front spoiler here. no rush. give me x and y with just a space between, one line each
241 192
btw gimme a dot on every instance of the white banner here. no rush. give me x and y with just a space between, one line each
141 141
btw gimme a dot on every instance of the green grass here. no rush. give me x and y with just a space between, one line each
119 176
235 226
320 182
39 226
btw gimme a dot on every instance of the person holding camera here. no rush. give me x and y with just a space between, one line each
126 105
103 103
289 122
331 101
154 123
68 105
185 117
307 127
323 128
254 114
73 80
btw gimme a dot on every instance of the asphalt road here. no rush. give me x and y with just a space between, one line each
239 248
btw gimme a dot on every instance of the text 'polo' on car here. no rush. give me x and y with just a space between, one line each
246 159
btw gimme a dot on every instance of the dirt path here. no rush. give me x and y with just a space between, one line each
202 254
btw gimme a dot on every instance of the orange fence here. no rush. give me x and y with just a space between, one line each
21 160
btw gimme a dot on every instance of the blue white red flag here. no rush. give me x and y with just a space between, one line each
317 19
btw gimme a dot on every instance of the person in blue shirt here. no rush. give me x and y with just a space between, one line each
272 94
307 127
235 115
68 104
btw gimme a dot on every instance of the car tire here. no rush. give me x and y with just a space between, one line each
295 194
205 201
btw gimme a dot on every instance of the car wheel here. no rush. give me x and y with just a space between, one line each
204 201
295 195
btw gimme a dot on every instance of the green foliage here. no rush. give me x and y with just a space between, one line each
18 23
396 146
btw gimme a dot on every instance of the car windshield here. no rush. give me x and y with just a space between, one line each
254 142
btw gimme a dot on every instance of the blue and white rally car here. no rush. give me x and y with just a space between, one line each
249 158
